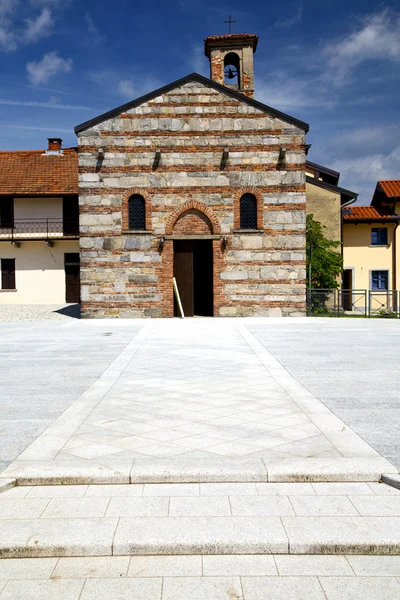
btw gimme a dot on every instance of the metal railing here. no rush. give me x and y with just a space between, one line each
383 303
353 303
39 228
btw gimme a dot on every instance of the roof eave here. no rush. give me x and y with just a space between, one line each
192 77
393 219
322 168
330 187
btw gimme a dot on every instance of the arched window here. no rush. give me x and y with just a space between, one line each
248 211
232 69
137 212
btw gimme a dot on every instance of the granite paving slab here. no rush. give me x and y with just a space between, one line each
197 400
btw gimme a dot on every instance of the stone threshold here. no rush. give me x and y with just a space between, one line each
82 472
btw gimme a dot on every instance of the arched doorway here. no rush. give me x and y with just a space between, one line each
193 262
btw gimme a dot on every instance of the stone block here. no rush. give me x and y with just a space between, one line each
119 286
137 243
251 241
234 275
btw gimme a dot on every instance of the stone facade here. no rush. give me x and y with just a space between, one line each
190 190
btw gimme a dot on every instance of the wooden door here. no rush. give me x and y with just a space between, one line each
72 284
347 285
183 273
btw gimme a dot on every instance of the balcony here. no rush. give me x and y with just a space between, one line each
39 229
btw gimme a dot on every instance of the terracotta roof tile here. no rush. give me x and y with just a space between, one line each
356 213
33 172
391 188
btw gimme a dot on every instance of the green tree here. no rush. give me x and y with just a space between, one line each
326 262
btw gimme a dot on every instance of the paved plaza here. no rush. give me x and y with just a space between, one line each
162 459
199 391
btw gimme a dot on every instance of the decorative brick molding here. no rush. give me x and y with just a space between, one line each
193 222
125 211
236 206
195 207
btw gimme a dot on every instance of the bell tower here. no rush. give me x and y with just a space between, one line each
231 60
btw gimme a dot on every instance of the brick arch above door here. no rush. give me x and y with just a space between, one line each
198 216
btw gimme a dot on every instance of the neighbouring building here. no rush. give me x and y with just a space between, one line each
325 199
197 181
370 244
39 226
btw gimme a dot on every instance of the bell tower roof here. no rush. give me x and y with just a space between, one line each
230 40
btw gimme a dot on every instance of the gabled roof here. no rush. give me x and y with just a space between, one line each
188 79
33 172
368 214
391 188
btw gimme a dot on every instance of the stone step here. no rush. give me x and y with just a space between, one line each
212 577
75 472
207 518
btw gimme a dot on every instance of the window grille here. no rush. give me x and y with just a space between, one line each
137 212
248 212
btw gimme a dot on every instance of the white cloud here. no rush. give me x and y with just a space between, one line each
285 91
126 88
294 20
8 41
30 128
378 38
94 30
38 27
362 173
50 65
52 103
364 155
8 6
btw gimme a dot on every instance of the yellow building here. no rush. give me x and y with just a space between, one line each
370 254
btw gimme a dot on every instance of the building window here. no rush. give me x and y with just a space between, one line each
379 236
7 273
137 212
248 211
6 212
379 280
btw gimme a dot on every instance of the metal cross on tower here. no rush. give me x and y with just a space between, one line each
229 21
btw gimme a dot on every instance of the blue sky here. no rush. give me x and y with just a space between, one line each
335 65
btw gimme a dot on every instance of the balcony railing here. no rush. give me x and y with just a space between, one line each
39 229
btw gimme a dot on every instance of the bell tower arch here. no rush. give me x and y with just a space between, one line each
231 60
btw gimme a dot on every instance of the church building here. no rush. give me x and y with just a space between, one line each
197 183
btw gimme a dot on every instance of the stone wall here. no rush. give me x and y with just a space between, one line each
128 273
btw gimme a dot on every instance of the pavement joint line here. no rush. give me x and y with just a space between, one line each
322 417
54 438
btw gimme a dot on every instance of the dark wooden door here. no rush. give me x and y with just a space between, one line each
183 273
347 285
203 278
72 284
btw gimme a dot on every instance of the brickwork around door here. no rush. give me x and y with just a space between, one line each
129 274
